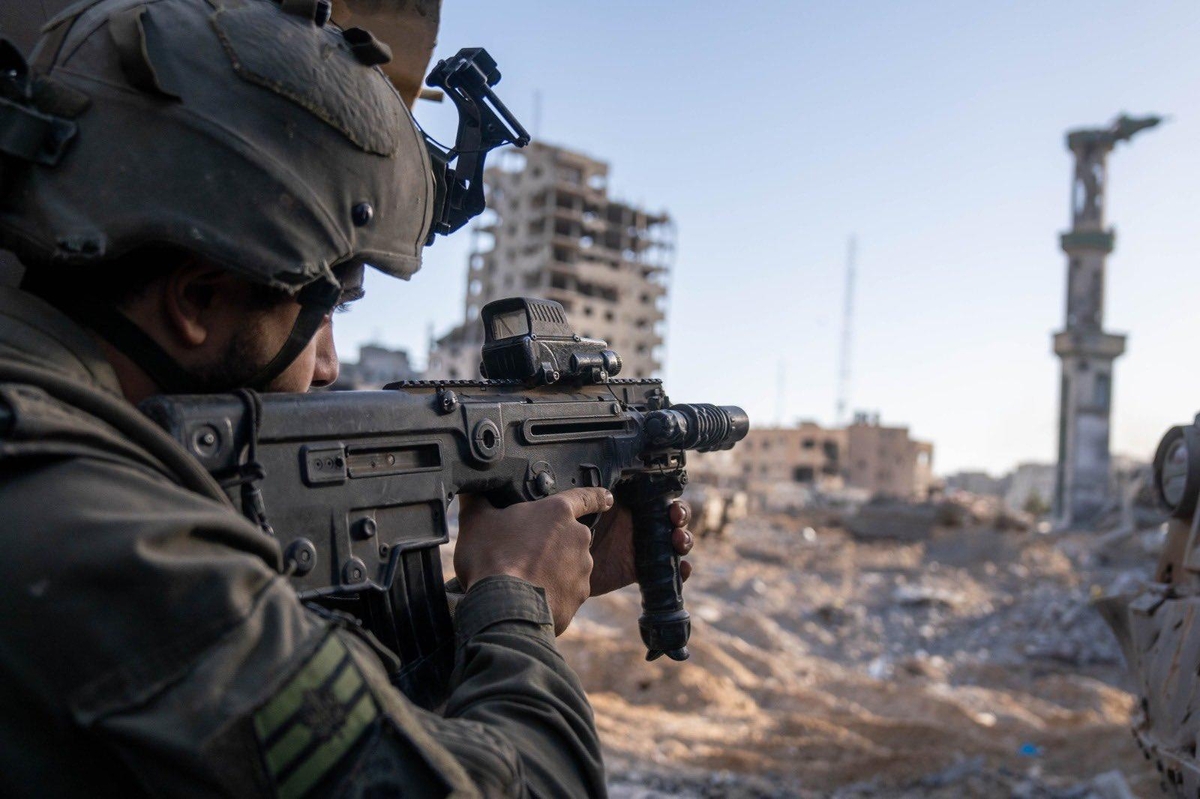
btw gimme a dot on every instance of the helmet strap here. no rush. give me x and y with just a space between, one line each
316 300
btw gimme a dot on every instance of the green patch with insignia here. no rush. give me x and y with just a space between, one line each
306 729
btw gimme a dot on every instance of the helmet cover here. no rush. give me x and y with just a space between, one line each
251 135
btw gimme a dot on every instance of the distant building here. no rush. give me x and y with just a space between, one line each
1030 482
376 367
866 455
808 454
455 356
554 232
886 461
979 483
1122 465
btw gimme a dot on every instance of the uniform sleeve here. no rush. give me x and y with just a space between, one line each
192 661
511 682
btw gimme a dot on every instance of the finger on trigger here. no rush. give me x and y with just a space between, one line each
680 513
586 501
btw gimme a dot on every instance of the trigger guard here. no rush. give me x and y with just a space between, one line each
590 521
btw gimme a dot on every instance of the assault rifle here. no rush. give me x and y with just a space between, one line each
356 485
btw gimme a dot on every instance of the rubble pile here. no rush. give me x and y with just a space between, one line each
966 663
970 777
898 520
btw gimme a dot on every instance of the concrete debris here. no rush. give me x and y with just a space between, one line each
718 785
1111 785
714 510
880 668
833 665
894 520
969 777
926 595
1069 630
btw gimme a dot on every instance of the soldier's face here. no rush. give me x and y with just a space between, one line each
239 338
222 331
317 364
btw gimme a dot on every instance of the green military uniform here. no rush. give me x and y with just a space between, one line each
150 644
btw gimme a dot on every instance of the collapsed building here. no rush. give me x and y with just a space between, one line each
867 457
553 231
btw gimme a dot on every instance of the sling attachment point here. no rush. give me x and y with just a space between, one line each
249 474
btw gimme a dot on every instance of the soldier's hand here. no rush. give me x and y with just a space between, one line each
541 542
612 550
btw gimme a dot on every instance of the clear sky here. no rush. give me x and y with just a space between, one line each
934 131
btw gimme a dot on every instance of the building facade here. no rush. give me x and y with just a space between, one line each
976 482
376 367
866 455
886 460
1031 485
552 231
807 454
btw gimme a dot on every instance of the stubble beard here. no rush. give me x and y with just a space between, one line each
241 361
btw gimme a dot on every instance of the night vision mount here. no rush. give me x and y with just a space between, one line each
484 123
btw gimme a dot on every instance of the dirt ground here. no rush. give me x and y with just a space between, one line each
970 665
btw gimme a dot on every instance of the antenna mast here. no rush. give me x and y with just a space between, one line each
843 398
780 389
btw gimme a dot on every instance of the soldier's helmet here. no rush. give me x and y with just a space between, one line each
253 133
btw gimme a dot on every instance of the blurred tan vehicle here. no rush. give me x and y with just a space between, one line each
1157 627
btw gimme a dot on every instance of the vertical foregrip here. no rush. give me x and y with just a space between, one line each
665 625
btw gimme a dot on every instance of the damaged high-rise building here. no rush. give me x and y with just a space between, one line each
553 231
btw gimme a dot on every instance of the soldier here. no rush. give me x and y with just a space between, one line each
194 186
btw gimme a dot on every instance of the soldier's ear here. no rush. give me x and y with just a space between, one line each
196 297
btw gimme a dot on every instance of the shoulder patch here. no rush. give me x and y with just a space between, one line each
306 729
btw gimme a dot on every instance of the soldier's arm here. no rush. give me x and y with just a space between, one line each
511 682
194 663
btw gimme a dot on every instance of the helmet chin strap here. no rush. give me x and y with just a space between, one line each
316 300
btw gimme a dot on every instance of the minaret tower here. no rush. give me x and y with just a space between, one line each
1086 350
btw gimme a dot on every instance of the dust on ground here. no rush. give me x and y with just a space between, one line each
969 664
